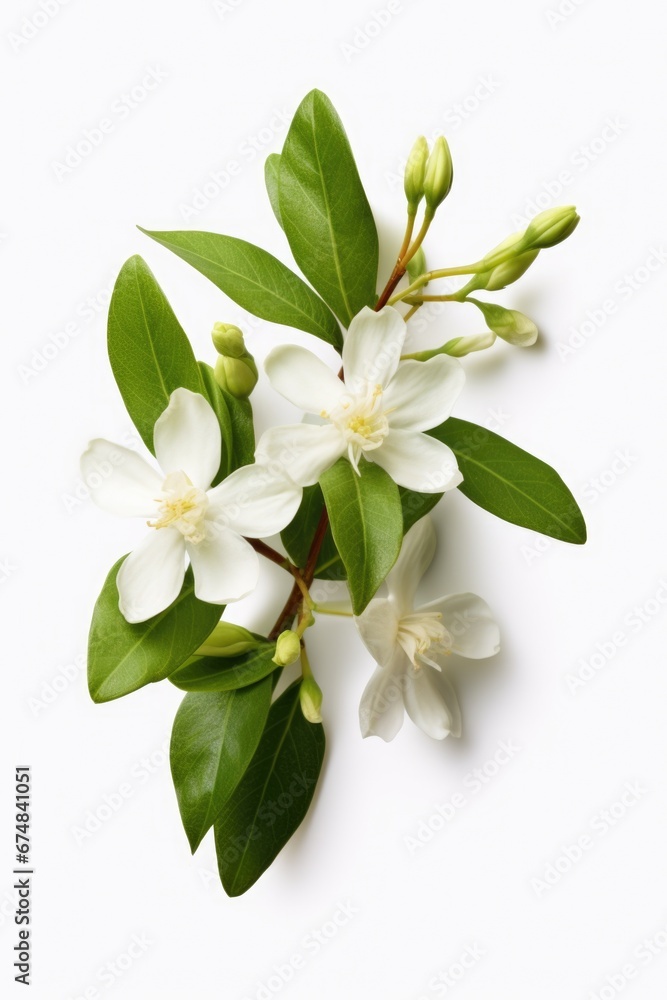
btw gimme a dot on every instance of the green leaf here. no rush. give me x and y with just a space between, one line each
271 178
255 280
236 424
226 673
512 484
150 354
416 505
123 657
367 525
272 798
212 743
324 210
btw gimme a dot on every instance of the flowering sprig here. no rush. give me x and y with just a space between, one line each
349 487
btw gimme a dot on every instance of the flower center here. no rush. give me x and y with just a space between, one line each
362 421
421 633
182 506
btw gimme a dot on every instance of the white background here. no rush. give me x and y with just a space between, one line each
523 95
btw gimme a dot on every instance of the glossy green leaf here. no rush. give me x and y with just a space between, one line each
150 354
367 525
212 743
416 505
255 280
510 483
226 673
272 180
324 210
272 798
236 424
123 657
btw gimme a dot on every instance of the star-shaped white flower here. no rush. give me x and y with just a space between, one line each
185 516
409 645
380 411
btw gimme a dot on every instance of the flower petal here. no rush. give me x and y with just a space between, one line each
187 438
435 710
417 461
372 347
378 626
302 378
254 502
151 577
381 708
119 480
225 566
414 559
422 393
470 623
300 451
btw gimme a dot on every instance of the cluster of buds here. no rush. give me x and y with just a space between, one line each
428 175
235 368
510 259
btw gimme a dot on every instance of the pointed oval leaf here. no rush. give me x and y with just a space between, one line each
271 179
366 523
324 210
149 352
212 743
255 280
123 657
512 484
273 796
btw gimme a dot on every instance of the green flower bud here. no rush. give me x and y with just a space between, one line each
310 697
227 639
460 346
415 171
439 175
551 227
509 324
509 272
417 266
505 251
288 648
228 340
237 375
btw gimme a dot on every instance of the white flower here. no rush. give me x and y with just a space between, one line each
408 643
186 516
380 411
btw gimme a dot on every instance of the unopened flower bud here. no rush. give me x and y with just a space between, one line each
417 265
507 250
310 696
460 346
509 324
415 171
439 175
288 648
228 340
237 375
551 227
228 639
509 272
